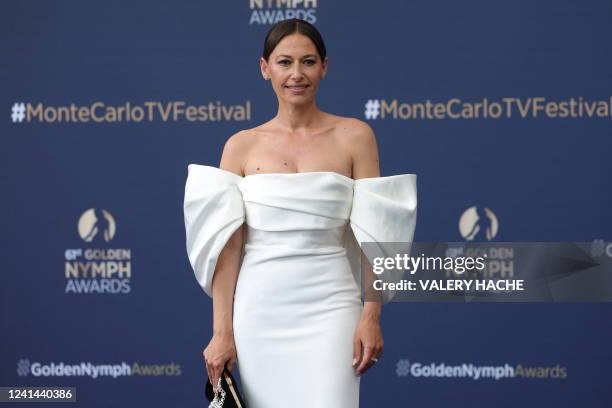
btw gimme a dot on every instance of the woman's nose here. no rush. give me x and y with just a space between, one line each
297 72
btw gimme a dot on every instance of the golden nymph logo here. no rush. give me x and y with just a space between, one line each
272 11
97 268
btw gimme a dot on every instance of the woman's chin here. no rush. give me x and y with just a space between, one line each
297 100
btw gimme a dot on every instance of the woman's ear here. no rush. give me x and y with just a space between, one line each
263 65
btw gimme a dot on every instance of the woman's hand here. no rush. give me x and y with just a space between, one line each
220 350
368 341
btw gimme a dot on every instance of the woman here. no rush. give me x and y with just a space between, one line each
272 236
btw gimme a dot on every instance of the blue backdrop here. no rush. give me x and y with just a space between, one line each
539 162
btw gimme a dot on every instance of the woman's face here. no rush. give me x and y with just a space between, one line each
295 69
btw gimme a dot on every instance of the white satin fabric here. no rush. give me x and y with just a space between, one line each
298 297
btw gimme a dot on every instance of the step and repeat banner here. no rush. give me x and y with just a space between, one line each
502 109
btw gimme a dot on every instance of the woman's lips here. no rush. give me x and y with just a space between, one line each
297 89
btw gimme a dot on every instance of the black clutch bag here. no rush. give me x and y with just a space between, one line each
227 395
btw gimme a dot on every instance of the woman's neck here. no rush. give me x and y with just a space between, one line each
297 117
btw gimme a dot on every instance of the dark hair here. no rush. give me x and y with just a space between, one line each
291 26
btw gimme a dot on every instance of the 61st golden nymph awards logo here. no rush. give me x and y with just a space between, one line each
95 268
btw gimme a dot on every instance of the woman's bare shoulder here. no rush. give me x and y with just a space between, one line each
246 138
236 149
250 135
354 131
358 138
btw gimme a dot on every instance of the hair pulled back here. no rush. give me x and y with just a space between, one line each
292 26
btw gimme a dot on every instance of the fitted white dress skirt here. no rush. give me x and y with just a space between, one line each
298 296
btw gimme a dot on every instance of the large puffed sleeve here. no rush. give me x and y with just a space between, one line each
384 210
213 210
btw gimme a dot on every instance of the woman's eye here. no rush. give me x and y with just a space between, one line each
308 62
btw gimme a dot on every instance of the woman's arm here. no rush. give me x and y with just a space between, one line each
224 283
368 341
221 349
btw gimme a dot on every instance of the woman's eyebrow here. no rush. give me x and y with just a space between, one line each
305 56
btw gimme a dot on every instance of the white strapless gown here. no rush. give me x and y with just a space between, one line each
298 300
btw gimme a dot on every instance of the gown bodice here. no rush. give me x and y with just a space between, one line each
309 213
